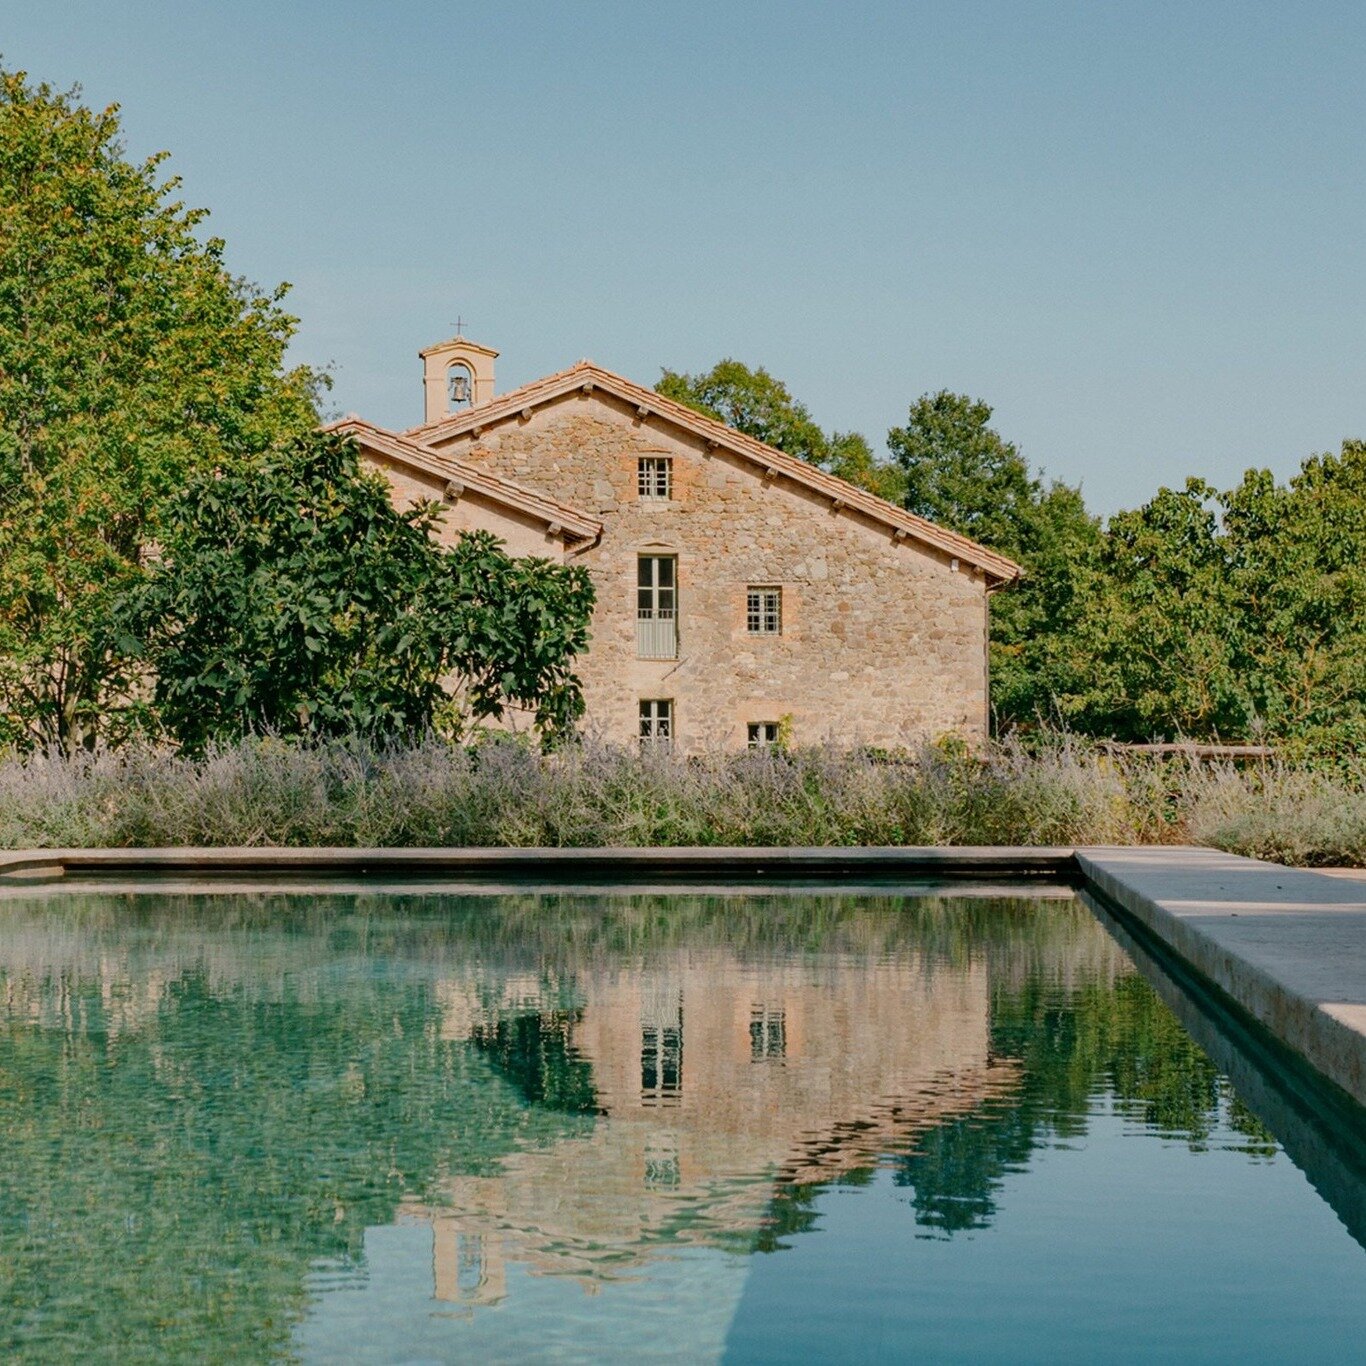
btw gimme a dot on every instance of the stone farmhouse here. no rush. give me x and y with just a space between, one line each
743 595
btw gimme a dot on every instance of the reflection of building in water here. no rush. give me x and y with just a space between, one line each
715 1079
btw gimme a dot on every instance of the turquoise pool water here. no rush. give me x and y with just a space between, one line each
413 1127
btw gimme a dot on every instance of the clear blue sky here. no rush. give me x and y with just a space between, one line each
1135 229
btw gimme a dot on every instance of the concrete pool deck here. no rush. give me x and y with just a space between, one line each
1286 946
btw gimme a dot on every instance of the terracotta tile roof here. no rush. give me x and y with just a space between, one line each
575 525
998 569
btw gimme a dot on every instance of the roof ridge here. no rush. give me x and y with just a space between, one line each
814 473
802 471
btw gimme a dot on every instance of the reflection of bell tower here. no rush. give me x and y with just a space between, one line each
456 374
468 1265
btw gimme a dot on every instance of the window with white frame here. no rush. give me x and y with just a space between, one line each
764 611
762 734
657 607
657 722
655 476
661 1064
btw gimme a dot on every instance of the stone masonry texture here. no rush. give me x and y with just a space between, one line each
883 641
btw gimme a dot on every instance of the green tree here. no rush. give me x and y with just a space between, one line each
290 596
1296 563
960 472
1038 659
754 402
1161 627
129 357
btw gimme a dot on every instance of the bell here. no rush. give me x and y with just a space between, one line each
460 388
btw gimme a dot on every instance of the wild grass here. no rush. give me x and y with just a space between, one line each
267 792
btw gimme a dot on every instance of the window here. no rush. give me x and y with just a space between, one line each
767 1034
661 1052
470 1275
661 1065
657 607
655 476
764 611
762 734
657 722
661 1162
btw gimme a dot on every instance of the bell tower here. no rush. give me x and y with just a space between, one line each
456 374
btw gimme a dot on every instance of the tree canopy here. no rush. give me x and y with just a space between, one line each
754 402
129 358
1201 614
1239 614
961 473
290 596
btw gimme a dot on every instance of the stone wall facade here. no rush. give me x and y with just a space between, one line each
520 533
883 640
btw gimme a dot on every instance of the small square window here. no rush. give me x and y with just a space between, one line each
762 734
655 476
657 722
764 611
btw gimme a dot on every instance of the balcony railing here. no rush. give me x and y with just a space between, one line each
657 635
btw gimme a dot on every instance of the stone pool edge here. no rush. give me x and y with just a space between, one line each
976 860
1288 946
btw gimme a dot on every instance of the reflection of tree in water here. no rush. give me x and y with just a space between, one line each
175 1185
1115 1039
534 1053
174 1166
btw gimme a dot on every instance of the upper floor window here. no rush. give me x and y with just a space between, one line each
657 607
764 611
655 476
661 1051
661 1064
661 1158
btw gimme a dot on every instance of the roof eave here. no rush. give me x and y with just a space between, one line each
572 524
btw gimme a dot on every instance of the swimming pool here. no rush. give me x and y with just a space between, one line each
417 1126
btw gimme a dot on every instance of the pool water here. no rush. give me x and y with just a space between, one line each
408 1126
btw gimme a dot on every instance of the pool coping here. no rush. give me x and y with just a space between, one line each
1287 946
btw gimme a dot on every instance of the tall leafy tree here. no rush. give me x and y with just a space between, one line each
291 596
1297 565
960 472
754 402
1239 615
1160 631
129 358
